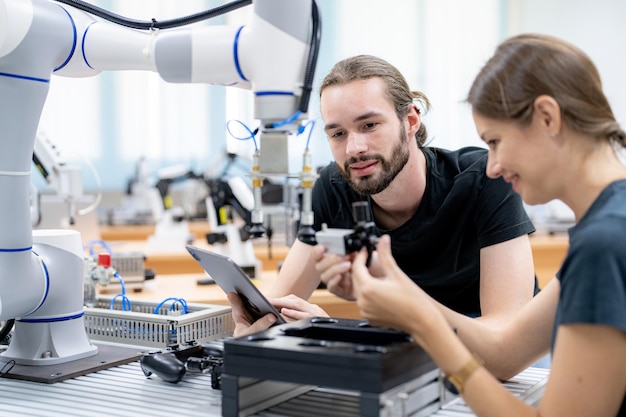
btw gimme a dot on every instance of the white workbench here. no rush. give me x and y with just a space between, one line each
124 391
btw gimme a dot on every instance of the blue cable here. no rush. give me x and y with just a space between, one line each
181 301
302 128
94 242
125 301
287 120
251 134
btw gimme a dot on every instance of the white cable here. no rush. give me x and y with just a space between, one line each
98 199
14 173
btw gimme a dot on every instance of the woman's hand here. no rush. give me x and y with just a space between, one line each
388 297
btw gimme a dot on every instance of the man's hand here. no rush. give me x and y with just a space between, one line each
295 308
244 324
291 307
334 272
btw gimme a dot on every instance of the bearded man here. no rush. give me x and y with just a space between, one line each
459 235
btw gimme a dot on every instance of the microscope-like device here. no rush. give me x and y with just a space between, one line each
41 272
346 241
66 179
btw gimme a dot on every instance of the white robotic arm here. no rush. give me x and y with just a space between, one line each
41 284
278 34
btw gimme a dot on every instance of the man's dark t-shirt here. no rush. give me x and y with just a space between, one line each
462 211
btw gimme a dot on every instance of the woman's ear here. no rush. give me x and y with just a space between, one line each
547 113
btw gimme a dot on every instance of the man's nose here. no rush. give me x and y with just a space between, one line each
357 144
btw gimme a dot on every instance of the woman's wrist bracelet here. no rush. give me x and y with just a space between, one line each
458 379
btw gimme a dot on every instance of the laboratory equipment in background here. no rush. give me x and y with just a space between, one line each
179 188
281 201
190 186
228 235
64 178
552 218
54 215
222 197
146 198
108 272
141 203
98 272
65 206
274 55
171 231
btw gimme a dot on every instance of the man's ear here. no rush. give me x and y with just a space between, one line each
547 113
414 119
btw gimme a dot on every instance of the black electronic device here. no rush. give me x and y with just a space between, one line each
336 353
231 278
342 353
172 364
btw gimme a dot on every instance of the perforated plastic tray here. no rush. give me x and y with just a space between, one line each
138 324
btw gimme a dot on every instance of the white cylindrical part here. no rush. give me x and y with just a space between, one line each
242 192
199 55
287 74
214 60
70 182
14 29
66 239
23 284
76 66
109 47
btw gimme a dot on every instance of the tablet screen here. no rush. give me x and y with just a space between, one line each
231 278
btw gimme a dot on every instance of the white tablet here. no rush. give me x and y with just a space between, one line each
231 278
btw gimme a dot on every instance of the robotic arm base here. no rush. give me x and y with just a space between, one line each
55 332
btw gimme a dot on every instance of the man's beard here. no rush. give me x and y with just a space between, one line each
370 184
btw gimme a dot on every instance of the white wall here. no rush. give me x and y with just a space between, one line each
597 27
440 46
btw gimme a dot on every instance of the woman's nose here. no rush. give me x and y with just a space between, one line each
494 170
